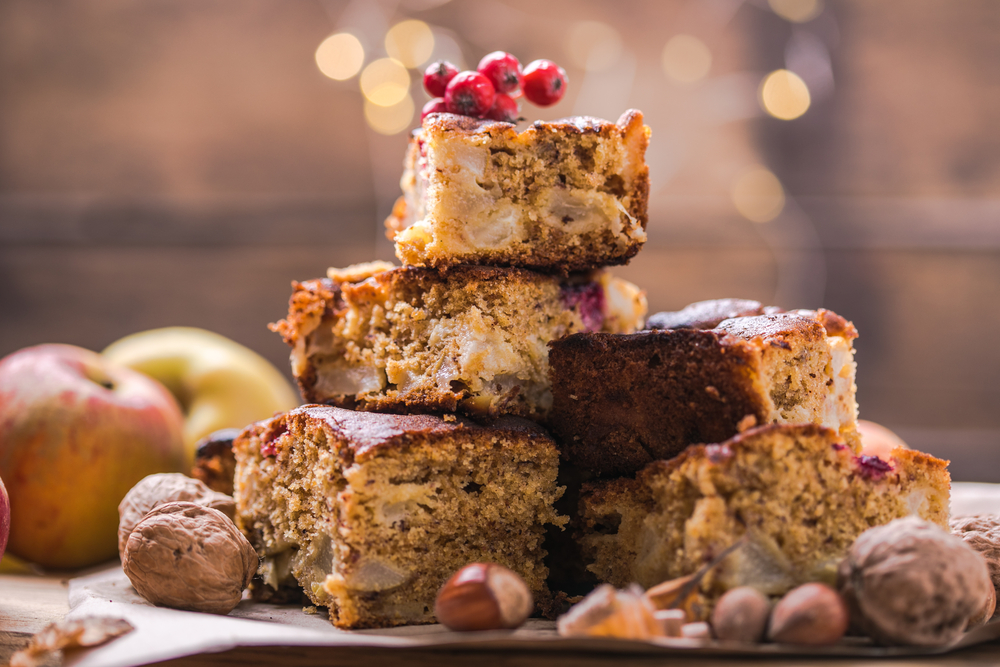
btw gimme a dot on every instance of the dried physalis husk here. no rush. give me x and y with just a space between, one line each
681 593
607 612
69 634
161 488
186 556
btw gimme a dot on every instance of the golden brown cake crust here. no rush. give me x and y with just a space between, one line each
368 434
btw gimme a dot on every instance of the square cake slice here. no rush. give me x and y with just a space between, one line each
371 513
567 195
469 339
791 497
622 401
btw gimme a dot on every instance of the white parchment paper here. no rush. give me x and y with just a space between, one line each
163 634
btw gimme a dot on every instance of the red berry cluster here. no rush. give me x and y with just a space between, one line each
493 89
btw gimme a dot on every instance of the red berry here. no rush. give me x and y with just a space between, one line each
502 69
544 82
469 94
437 75
504 109
436 105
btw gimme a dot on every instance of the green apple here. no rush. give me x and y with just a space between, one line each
77 431
218 382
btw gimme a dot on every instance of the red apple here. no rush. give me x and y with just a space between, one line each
4 518
77 431
877 440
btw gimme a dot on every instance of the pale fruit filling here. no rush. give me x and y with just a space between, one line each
483 357
840 408
455 206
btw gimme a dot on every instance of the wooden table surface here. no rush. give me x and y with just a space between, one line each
29 602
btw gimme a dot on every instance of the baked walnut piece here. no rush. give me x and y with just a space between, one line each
567 195
793 497
469 339
622 401
371 513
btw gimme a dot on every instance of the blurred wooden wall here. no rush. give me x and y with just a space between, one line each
181 162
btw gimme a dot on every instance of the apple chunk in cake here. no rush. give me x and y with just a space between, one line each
622 401
567 195
791 497
469 339
371 513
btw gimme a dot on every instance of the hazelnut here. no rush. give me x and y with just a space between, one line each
909 582
607 612
741 615
186 556
483 596
812 614
155 490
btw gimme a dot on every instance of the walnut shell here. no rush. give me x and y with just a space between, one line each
186 556
911 583
982 533
155 490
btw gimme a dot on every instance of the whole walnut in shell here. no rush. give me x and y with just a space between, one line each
909 582
982 533
187 556
155 490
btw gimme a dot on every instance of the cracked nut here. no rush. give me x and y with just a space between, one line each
483 596
812 614
186 556
155 490
911 583
607 612
741 615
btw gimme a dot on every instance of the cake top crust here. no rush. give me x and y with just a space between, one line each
774 326
705 314
743 317
721 453
438 123
366 433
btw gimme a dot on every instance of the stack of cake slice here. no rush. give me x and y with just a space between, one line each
782 488
371 501
719 439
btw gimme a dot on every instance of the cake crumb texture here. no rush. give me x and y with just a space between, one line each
469 339
794 496
371 513
567 195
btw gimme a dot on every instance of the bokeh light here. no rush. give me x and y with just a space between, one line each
758 194
593 46
340 56
784 95
686 59
390 119
385 82
796 11
410 42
